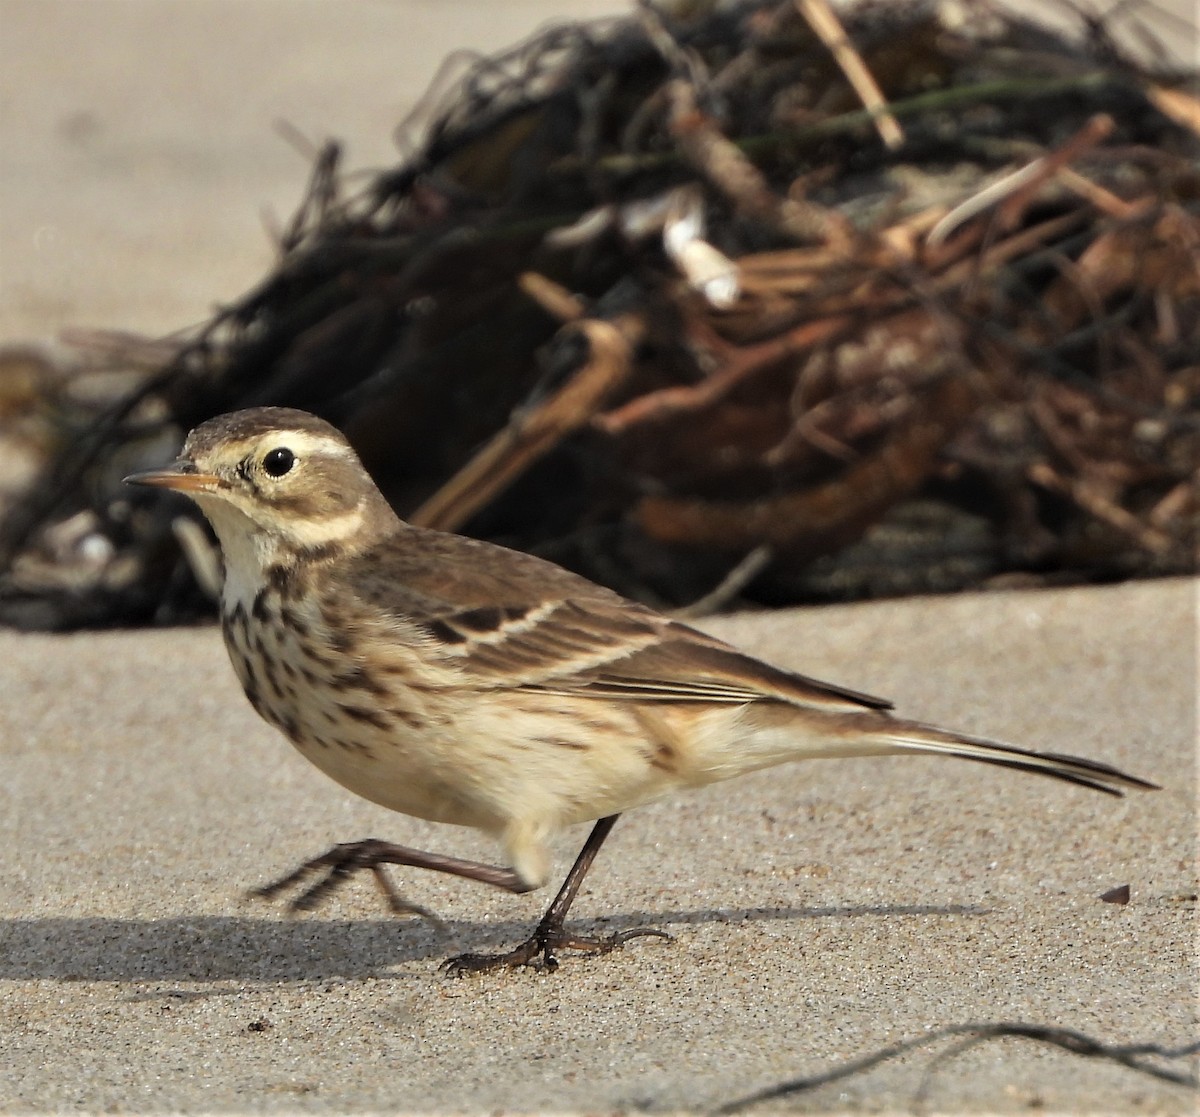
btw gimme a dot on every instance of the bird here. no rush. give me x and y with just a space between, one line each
455 680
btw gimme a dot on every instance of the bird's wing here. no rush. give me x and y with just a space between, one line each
504 618
684 665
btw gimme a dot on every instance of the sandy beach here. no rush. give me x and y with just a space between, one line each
820 912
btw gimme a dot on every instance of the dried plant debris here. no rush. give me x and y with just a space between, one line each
908 302
1151 1060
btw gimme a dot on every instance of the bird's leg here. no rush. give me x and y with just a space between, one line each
341 862
550 934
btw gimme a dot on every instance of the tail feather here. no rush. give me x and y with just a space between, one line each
916 737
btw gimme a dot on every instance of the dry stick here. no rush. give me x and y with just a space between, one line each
1095 131
793 271
938 100
1133 1056
1019 244
320 195
1104 200
1181 107
821 518
679 58
1168 319
746 570
1092 501
1074 1042
552 297
747 361
729 169
805 261
806 430
1174 502
1074 279
1016 190
1045 418
742 364
830 31
533 433
804 266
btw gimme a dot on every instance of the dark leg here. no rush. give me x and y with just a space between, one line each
341 862
550 934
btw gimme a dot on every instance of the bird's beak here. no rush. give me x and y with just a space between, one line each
181 476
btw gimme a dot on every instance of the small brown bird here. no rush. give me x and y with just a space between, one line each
458 681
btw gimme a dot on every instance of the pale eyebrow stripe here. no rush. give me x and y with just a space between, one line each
302 443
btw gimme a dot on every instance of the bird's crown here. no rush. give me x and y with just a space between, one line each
243 428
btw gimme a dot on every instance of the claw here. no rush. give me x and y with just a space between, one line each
543 944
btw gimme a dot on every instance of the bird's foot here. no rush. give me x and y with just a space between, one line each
335 868
543 946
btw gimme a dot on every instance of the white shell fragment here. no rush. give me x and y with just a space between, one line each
706 268
679 214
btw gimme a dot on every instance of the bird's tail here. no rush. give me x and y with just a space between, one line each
770 734
912 736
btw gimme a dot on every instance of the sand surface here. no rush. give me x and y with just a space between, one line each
820 912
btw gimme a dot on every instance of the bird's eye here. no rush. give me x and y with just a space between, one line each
279 461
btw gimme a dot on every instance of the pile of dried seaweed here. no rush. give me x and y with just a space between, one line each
912 306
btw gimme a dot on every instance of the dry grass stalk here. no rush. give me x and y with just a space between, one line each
827 25
533 433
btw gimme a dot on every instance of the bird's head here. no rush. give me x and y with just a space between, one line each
273 479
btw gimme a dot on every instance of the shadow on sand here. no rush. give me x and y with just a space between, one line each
219 948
